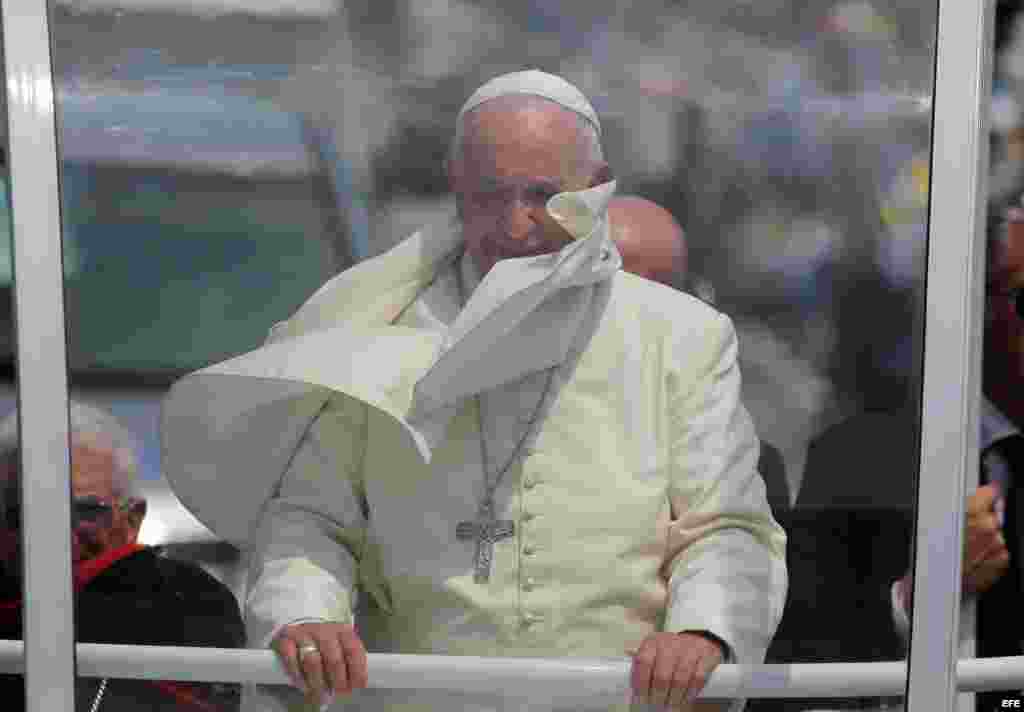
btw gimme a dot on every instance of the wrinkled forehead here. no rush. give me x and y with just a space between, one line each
523 123
524 136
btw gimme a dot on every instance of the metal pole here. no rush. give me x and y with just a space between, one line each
41 359
954 322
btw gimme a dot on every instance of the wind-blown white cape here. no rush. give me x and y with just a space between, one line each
229 431
650 515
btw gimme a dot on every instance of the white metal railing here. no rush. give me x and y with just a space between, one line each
558 677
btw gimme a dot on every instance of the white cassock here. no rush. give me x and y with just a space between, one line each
353 444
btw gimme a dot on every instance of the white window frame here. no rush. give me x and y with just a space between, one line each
953 339
41 358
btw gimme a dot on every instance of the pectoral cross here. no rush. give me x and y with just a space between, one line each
486 530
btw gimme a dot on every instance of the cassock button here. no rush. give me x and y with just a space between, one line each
529 550
529 584
529 483
529 516
530 619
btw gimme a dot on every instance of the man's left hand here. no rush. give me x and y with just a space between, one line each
671 669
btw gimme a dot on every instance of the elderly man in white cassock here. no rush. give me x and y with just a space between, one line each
508 444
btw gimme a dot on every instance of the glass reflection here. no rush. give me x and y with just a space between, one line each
219 166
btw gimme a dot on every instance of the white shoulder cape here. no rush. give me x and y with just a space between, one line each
228 431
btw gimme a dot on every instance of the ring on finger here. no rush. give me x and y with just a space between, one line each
308 649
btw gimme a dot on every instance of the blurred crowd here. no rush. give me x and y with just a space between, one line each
790 140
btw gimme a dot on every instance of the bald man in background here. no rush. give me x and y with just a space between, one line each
651 242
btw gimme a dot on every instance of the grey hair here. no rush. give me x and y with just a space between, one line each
590 134
87 424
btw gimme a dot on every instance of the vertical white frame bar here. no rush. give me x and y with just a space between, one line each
41 358
953 337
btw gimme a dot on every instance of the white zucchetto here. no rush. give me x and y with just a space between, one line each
535 83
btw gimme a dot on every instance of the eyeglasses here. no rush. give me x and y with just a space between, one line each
90 511
1016 297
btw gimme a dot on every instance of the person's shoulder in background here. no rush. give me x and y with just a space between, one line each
868 461
151 599
773 469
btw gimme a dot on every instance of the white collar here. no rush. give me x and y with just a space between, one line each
520 317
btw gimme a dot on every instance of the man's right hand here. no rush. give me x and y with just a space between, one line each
986 558
323 659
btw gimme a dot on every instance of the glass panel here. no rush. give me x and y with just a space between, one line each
835 193
220 163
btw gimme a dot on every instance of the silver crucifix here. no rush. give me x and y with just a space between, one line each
486 530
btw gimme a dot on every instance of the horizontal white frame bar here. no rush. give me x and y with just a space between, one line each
555 677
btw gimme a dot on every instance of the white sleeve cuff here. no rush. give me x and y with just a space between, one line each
265 643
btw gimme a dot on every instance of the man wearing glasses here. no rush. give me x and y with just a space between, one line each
124 592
